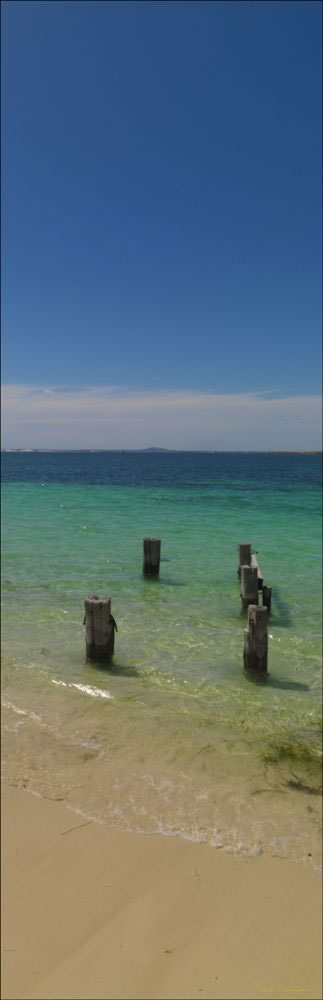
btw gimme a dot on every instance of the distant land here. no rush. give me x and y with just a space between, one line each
171 451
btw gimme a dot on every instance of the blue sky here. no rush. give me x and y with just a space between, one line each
161 219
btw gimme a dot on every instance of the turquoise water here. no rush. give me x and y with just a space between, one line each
173 737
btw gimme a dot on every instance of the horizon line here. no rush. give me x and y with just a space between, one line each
152 450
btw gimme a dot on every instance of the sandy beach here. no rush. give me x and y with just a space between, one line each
92 912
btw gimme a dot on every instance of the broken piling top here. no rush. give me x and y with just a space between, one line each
151 556
255 653
100 627
244 555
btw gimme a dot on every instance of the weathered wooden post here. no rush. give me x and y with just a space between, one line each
266 597
100 629
249 585
244 555
255 651
151 556
255 564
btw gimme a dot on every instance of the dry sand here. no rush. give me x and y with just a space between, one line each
94 912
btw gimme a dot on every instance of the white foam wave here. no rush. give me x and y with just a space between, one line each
86 688
20 711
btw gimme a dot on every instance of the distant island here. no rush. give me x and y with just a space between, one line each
141 451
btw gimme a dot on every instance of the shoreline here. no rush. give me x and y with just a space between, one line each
92 912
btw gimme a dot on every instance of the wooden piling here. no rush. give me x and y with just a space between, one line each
151 556
255 565
244 555
255 652
266 597
249 586
100 629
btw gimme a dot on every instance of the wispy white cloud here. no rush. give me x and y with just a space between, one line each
115 417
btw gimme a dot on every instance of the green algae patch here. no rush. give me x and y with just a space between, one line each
301 759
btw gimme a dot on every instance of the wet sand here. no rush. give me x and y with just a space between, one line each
93 913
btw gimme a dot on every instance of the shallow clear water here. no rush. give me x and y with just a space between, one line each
173 737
